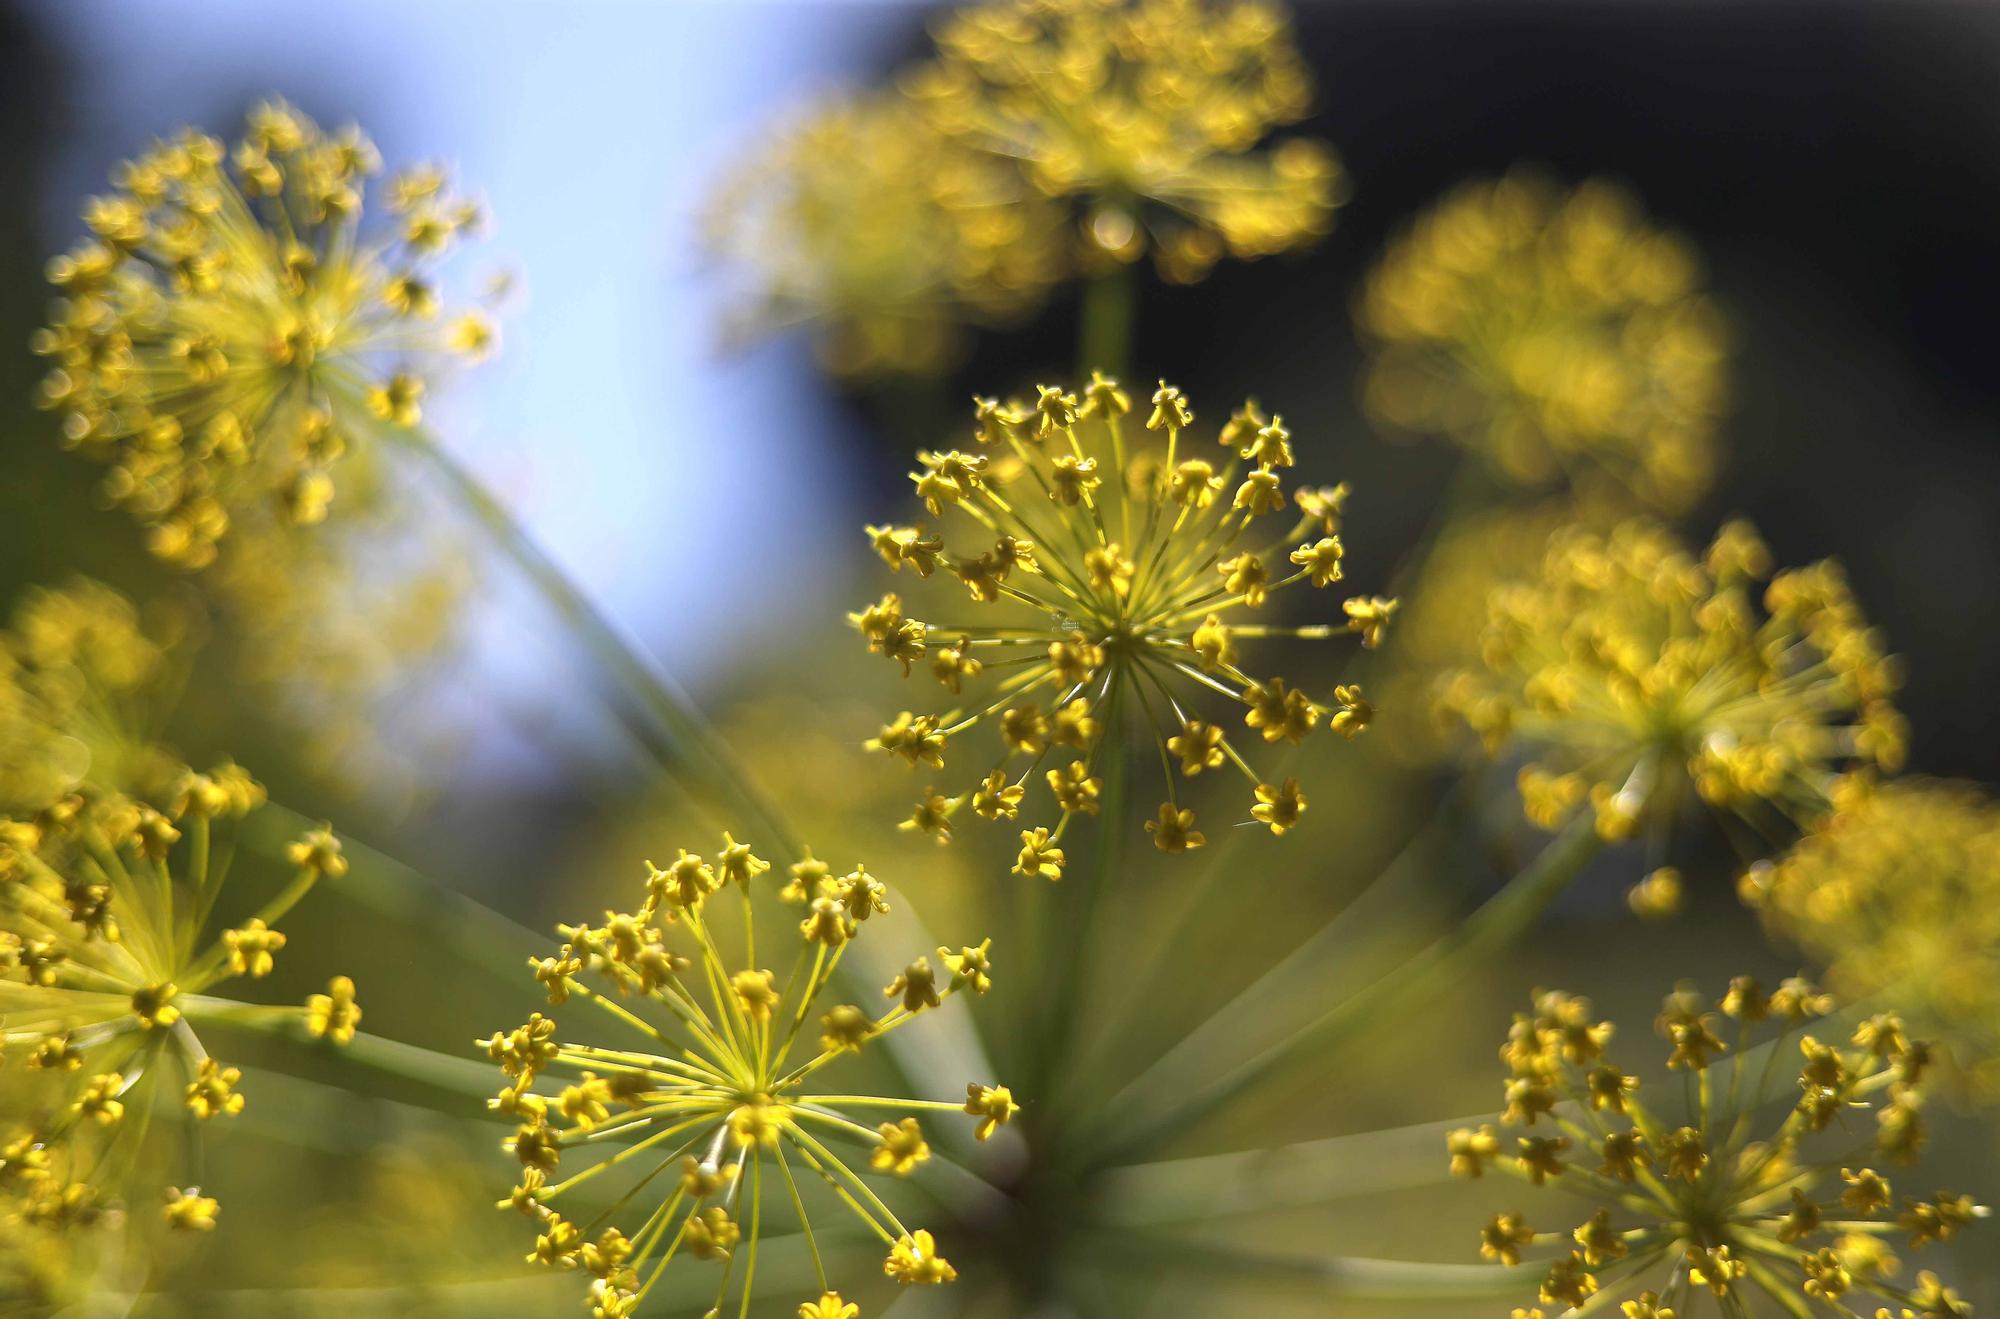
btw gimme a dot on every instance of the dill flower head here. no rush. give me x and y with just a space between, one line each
227 330
108 958
1554 331
80 668
1123 568
1895 892
713 1103
862 219
1737 1182
1147 115
1633 675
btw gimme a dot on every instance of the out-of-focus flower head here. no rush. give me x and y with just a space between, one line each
864 221
229 330
82 673
1631 672
1554 331
718 1084
108 956
1121 571
1694 1193
1475 553
1897 891
1146 115
349 628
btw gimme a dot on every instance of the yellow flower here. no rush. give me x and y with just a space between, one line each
190 1211
1132 606
334 1015
914 1261
1639 678
716 1082
212 1093
1894 892
227 332
1145 115
1702 1195
903 1147
861 218
84 674
1279 808
1554 331
993 1105
829 1306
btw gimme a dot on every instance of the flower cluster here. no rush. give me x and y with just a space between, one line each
226 331
106 955
1124 582
1147 114
717 1090
1693 1199
81 667
863 219
1895 891
1556 332
1633 674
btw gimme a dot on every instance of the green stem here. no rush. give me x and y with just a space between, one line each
1292 979
1348 1277
1209 1187
1134 1130
1105 323
410 899
649 703
1066 979
408 1062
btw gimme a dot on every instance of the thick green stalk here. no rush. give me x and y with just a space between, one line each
461 1077
1104 330
411 899
1144 1126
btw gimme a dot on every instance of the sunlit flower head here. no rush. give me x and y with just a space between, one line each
82 671
1125 572
1554 331
1897 892
110 954
711 1114
230 327
1146 116
1634 675
864 221
1753 1174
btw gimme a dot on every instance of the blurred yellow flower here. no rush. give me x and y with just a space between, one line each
1683 1189
865 222
227 331
1897 892
1124 583
84 673
1633 675
1146 116
1554 331
715 1089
